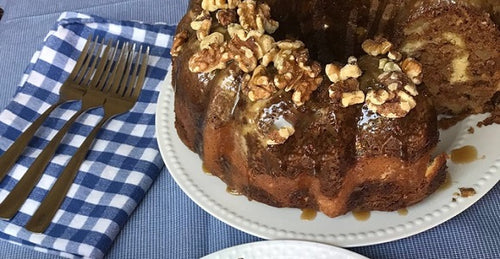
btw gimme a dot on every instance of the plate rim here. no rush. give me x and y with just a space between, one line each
277 242
449 210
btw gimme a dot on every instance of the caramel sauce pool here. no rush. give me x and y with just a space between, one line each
205 169
464 155
232 191
361 215
308 214
403 211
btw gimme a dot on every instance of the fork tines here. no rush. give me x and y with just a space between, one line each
123 78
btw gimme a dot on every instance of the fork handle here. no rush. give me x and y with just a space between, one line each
10 156
49 206
18 195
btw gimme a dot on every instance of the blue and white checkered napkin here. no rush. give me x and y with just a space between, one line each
124 160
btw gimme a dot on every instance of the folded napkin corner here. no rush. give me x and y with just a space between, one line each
121 165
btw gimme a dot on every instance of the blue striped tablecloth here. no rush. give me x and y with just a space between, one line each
167 224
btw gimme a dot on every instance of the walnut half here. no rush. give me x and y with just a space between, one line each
206 60
260 85
345 88
256 16
352 98
201 24
395 99
279 136
179 40
226 17
295 70
377 46
413 70
248 48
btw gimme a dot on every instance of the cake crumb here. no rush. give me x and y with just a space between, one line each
466 192
492 119
471 130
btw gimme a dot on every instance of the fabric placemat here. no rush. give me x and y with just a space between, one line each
123 161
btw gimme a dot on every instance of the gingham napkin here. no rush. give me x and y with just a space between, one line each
124 160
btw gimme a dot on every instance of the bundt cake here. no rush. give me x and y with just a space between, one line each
319 104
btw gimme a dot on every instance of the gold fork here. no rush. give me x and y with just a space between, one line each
93 98
123 96
71 90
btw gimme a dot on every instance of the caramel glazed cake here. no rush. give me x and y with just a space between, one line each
271 95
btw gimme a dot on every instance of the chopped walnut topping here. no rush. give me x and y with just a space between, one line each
257 17
226 17
345 88
295 71
352 60
279 136
407 102
395 99
394 55
179 40
215 38
346 92
350 71
214 5
244 55
290 45
413 70
395 107
378 46
352 98
303 89
333 72
201 24
378 97
264 43
393 94
260 85
209 59
249 50
382 62
411 89
248 44
391 66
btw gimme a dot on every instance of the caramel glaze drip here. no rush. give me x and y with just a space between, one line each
205 169
308 214
361 215
464 155
403 212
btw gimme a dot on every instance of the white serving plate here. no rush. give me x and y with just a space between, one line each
284 223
